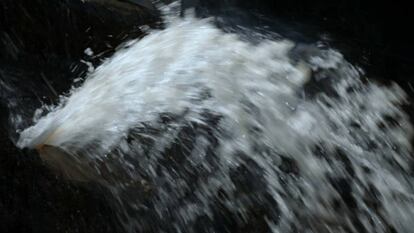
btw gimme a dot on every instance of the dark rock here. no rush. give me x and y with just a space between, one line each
41 45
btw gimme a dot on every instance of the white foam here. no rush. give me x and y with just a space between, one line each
250 86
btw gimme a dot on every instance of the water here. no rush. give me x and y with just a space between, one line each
196 130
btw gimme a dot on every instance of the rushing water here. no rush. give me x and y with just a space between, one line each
196 130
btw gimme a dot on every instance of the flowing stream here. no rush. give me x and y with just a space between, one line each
193 129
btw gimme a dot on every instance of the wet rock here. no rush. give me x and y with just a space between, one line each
45 40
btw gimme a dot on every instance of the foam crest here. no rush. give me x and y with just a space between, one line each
195 116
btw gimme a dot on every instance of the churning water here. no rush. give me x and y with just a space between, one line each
196 130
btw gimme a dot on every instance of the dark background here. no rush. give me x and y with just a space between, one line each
42 42
377 35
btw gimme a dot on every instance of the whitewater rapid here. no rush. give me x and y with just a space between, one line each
196 130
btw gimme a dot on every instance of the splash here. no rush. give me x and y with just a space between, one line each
196 130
